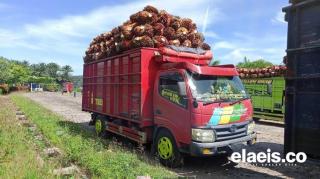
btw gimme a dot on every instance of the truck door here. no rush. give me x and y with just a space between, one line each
171 105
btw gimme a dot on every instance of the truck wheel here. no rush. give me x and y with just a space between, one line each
100 127
167 150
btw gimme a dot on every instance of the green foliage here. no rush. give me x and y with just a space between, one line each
101 158
65 72
52 70
214 62
51 87
5 74
20 74
77 81
15 72
41 79
261 63
38 69
18 154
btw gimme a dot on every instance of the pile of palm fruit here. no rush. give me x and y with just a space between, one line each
4 88
272 71
147 28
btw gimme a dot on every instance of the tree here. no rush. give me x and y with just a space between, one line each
23 63
261 63
5 74
38 69
66 72
214 62
20 74
52 69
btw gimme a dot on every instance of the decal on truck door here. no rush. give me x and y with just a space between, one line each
171 95
227 114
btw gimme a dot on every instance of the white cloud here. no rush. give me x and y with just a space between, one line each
279 18
223 45
10 39
270 47
71 34
238 54
211 34
105 18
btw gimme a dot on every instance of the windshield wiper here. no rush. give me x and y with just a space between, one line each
210 102
238 101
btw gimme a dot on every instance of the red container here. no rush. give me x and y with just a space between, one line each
122 86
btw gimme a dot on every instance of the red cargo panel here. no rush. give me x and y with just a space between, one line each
122 86
113 86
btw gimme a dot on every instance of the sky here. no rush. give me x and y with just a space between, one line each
61 30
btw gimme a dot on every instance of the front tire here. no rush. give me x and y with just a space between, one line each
167 150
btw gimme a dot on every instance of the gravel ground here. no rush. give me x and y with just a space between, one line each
269 137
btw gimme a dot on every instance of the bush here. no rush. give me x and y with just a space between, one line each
52 87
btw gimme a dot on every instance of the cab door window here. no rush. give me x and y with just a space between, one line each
173 88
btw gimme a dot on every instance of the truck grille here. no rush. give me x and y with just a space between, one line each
231 131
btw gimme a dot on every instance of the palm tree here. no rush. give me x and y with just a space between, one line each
65 72
52 69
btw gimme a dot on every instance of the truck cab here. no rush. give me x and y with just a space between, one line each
205 110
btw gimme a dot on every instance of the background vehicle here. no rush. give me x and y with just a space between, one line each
35 87
67 87
268 97
171 99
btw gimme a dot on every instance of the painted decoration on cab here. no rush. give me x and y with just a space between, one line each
227 114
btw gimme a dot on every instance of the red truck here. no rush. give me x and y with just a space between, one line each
171 99
67 87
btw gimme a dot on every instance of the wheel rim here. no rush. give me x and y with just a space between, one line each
165 149
98 126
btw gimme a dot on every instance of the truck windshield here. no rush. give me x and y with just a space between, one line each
207 88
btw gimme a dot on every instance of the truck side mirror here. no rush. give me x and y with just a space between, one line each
182 88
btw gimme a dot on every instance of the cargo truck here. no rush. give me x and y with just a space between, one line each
268 97
67 87
169 98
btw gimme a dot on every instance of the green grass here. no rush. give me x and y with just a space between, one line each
102 160
18 156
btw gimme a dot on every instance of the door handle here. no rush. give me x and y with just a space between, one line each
158 111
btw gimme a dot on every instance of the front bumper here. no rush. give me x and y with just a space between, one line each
215 148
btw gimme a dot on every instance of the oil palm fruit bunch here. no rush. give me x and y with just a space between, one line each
158 28
160 41
143 41
150 28
271 71
169 33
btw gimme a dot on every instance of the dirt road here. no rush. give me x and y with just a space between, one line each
269 137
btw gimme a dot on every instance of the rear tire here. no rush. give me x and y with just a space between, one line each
100 127
167 150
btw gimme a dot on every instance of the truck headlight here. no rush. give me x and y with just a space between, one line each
203 135
251 127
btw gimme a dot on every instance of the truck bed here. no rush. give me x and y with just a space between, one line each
121 86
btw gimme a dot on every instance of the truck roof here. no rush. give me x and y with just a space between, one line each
165 55
170 58
218 70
